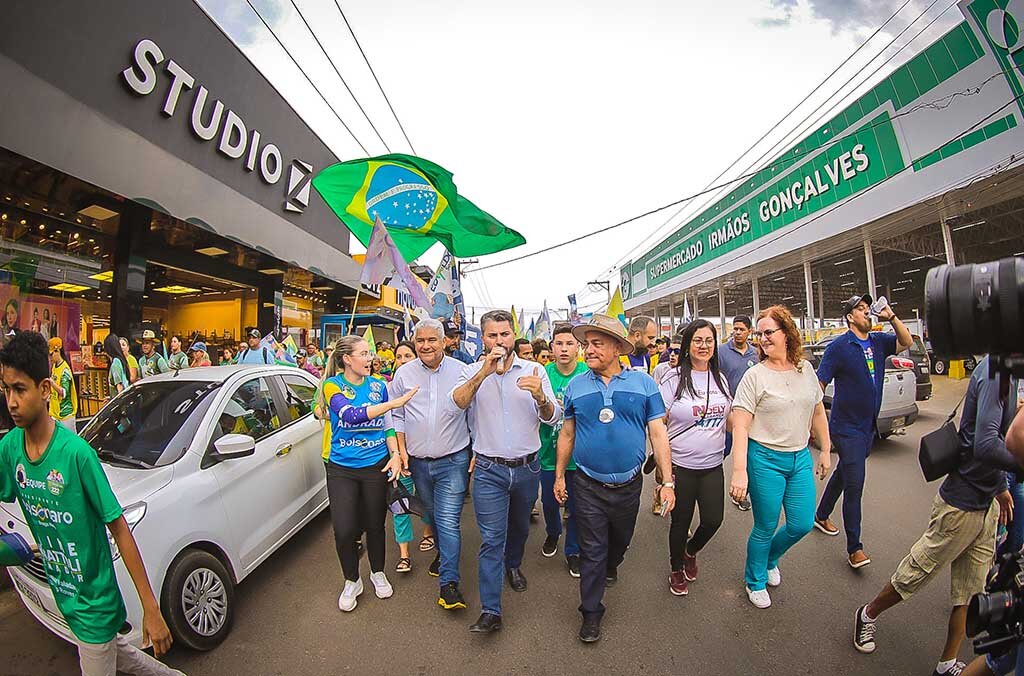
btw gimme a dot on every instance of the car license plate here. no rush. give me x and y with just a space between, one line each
28 592
899 423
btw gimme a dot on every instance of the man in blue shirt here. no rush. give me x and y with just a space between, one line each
453 342
255 353
856 361
608 413
734 358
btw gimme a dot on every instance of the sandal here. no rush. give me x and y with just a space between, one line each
427 543
404 565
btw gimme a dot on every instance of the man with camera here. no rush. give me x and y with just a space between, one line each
961 532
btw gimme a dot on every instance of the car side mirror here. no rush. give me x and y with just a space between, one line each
233 446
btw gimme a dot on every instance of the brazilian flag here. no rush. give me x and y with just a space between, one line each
418 203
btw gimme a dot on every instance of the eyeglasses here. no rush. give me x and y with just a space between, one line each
767 333
705 342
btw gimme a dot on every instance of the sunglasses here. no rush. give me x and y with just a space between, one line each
675 350
767 333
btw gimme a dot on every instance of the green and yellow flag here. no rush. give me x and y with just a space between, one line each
417 202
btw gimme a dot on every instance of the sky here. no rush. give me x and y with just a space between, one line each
563 117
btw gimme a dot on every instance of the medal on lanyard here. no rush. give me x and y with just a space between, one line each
606 415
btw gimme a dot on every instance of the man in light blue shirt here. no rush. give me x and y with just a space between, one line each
609 412
508 398
255 353
434 434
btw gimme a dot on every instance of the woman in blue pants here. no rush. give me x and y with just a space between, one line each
776 407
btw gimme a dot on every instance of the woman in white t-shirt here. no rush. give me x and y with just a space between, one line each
777 405
697 408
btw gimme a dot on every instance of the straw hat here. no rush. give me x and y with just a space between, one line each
608 326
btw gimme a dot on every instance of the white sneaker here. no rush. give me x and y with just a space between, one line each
759 598
774 577
347 600
381 586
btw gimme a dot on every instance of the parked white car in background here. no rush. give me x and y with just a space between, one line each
215 469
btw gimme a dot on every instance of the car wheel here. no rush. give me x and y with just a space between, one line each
199 600
939 366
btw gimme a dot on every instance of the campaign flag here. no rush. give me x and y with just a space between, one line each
290 346
687 317
615 308
383 260
543 329
408 323
368 337
280 352
521 325
530 335
441 282
574 314
515 323
417 201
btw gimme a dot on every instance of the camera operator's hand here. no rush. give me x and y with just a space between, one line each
1005 501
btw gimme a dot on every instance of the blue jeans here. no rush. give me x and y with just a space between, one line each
776 480
441 485
552 511
502 498
847 479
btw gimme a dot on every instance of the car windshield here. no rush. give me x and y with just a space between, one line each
150 424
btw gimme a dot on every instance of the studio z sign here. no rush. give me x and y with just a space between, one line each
211 120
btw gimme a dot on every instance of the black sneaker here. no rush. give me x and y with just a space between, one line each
573 562
590 630
550 547
435 567
450 597
863 633
611 576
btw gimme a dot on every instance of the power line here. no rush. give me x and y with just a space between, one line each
971 91
672 218
375 79
326 102
338 73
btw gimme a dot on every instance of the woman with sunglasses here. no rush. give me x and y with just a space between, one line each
697 407
777 404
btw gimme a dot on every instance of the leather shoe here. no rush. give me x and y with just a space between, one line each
516 579
487 623
590 630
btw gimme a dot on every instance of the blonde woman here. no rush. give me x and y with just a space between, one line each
777 405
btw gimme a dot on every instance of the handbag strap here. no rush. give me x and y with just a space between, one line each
956 408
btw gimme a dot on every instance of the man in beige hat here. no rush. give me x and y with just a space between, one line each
151 362
609 412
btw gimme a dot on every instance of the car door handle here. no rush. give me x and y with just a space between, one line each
284 450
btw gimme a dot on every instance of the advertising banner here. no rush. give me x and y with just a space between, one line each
51 317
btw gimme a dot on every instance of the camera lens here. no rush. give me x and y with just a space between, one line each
976 309
987 610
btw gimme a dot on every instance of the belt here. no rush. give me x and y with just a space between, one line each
440 457
515 462
614 486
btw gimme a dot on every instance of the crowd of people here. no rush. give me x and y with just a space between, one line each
575 423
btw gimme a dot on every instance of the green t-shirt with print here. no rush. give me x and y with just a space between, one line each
549 434
67 502
116 375
65 406
178 361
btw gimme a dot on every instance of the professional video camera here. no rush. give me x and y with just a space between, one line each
978 309
1000 609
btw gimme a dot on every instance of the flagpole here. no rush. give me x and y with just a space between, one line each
352 318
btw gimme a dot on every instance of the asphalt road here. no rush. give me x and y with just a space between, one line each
287 620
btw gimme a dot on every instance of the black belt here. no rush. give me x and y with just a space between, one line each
441 457
614 486
515 462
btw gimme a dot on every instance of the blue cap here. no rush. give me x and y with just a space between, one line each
198 345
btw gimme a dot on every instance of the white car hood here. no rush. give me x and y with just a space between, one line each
129 485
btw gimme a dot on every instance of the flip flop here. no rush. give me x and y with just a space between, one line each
427 543
404 565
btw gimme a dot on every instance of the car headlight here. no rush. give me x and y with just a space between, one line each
132 515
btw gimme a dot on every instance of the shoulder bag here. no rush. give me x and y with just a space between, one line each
941 449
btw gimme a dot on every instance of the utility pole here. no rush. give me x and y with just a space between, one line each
606 285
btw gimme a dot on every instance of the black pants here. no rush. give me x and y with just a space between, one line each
605 519
703 487
358 504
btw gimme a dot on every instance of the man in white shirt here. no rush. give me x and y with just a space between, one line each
433 436
508 399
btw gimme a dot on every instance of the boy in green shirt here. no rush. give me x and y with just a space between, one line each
57 478
566 366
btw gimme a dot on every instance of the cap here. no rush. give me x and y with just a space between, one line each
148 335
198 345
854 301
451 328
55 344
301 353
253 332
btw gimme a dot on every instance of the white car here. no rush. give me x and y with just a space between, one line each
215 469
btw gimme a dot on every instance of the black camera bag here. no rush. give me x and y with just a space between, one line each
941 449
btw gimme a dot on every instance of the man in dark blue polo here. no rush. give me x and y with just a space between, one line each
734 358
609 412
856 361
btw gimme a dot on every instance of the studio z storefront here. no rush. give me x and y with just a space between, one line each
152 179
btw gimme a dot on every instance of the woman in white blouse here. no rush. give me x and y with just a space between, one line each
777 405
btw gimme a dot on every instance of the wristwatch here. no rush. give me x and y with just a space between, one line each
669 484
